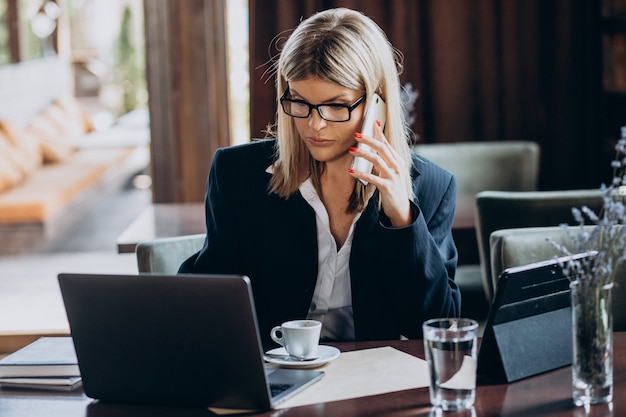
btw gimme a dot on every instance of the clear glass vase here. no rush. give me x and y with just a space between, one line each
592 333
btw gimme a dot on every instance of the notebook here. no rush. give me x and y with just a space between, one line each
529 325
186 340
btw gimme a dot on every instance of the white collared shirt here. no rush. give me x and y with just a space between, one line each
332 298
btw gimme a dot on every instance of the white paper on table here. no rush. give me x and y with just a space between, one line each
465 378
364 372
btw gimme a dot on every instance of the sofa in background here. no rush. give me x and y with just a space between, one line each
56 165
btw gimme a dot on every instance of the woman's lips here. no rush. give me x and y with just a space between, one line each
319 141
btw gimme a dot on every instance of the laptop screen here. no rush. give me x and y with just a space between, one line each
167 339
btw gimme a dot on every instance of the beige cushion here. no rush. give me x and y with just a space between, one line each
58 127
10 173
76 113
25 146
55 144
18 159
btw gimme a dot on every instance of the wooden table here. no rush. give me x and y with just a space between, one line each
548 394
179 219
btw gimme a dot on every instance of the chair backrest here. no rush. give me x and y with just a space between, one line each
478 166
504 210
511 165
521 246
165 255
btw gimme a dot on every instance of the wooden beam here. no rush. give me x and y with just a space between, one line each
14 30
188 94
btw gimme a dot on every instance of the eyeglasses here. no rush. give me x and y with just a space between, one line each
333 112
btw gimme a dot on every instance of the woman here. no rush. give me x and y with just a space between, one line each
369 261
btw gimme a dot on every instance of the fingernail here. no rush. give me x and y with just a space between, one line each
352 149
351 170
378 122
358 135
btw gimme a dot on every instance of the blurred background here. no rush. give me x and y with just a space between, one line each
180 78
550 71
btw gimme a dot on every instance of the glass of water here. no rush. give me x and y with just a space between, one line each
450 346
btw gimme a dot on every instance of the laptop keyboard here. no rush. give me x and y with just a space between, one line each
276 389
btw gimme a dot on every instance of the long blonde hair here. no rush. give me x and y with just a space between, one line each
343 47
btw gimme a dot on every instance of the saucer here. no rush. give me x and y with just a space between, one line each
326 353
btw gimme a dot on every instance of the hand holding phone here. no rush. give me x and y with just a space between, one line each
376 110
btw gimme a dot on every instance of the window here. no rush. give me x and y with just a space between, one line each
5 48
239 79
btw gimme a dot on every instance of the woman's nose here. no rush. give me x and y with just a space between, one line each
315 121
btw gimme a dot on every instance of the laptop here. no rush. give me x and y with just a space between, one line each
183 340
529 325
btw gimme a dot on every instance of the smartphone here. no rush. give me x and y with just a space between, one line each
376 110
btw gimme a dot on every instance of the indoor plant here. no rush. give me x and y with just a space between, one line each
592 282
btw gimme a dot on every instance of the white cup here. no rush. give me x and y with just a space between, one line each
300 338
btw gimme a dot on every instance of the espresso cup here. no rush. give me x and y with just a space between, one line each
300 338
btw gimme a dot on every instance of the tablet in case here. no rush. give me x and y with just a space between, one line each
529 326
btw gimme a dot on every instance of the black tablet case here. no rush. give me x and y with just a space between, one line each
529 326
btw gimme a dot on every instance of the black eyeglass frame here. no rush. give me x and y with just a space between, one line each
350 107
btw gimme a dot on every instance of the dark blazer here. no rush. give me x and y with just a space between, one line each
399 277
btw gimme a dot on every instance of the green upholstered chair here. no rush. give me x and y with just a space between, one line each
504 210
525 245
165 255
479 166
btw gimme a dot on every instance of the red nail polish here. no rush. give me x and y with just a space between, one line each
378 122
358 135
351 170
352 149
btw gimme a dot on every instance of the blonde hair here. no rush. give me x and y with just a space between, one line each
346 48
